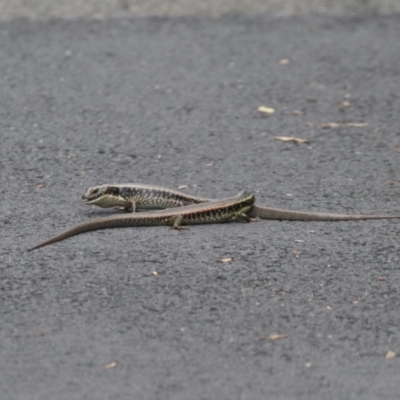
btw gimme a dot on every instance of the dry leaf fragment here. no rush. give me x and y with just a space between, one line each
356 124
40 186
331 125
274 336
225 260
155 273
390 354
182 186
266 110
290 139
111 365
380 278
296 253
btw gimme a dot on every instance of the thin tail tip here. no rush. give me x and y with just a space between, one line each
35 247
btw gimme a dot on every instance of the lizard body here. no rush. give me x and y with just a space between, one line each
224 210
132 197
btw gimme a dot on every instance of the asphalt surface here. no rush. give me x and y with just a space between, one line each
100 9
301 310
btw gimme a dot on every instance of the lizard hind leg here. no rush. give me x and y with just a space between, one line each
177 223
243 216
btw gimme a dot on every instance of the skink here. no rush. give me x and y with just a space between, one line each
132 197
224 210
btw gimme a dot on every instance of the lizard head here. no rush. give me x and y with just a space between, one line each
104 196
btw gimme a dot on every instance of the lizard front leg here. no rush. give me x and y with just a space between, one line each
130 206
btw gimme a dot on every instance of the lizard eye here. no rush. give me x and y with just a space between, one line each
105 190
109 190
90 192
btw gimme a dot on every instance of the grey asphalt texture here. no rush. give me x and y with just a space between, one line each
301 310
100 9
